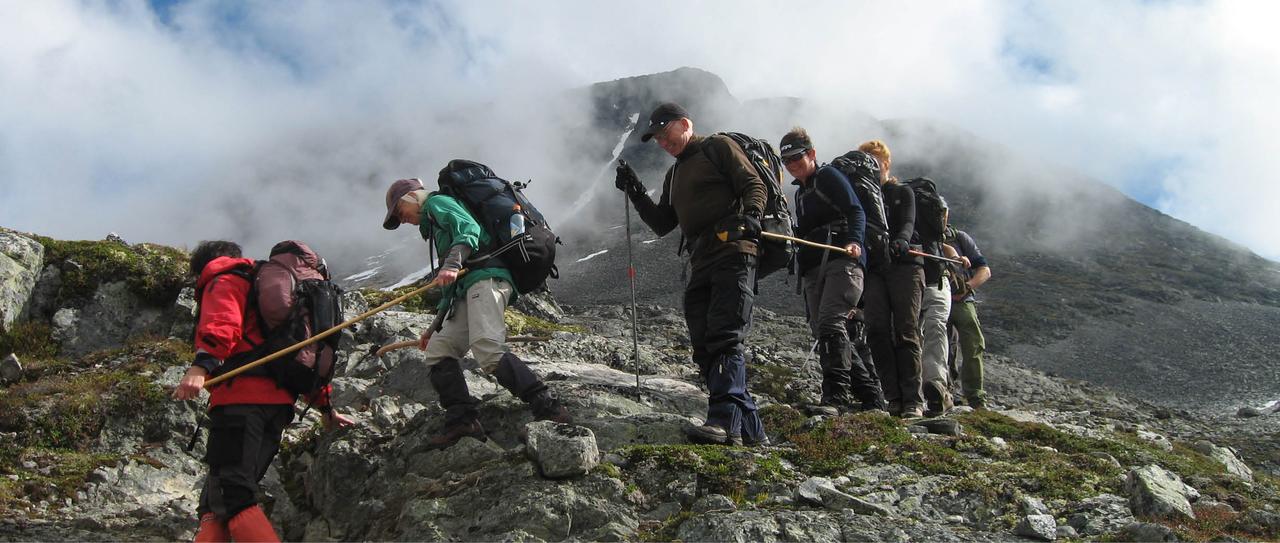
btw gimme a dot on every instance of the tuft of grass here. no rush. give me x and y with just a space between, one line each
29 340
155 273
518 323
609 470
422 303
665 530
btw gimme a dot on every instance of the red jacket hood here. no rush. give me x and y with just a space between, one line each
218 266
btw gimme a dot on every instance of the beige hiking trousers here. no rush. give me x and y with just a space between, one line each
477 325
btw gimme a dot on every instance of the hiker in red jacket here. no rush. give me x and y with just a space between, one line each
248 414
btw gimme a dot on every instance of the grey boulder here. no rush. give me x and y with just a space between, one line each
562 450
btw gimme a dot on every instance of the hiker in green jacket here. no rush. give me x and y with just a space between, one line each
470 313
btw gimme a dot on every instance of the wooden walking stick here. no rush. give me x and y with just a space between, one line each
805 242
325 334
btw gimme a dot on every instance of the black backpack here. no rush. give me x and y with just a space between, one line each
775 254
522 240
863 172
309 303
931 211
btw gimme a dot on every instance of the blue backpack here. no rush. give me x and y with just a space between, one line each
522 241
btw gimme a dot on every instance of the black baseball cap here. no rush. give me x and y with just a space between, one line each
662 115
794 144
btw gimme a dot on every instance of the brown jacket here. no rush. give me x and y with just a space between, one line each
711 179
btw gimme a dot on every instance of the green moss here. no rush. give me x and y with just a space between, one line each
609 470
155 273
28 340
422 303
723 470
774 380
666 530
518 323
66 411
60 475
825 450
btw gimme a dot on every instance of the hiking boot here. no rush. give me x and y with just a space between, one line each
978 404
451 434
938 398
895 407
708 435
554 413
911 412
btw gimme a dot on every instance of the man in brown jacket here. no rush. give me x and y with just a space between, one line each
712 188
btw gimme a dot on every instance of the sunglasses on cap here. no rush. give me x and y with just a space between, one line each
795 157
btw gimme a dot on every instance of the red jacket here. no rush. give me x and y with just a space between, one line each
226 328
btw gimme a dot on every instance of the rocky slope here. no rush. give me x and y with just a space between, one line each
94 450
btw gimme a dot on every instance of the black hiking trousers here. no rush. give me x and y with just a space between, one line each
717 309
243 440
891 300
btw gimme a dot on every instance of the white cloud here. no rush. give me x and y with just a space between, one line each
120 122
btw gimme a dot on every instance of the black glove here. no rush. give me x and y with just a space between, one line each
736 227
900 248
627 181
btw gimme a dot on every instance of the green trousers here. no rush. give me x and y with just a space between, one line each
964 317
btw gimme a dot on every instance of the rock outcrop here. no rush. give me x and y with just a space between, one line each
1049 464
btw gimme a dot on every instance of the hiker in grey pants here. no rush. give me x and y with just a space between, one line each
828 212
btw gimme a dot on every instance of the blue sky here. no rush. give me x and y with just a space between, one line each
140 105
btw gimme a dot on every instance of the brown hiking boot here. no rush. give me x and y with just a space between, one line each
558 413
938 398
547 407
977 403
707 435
912 412
451 434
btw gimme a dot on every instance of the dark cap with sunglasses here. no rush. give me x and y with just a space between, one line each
793 145
662 115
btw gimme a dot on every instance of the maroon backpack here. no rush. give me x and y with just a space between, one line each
294 299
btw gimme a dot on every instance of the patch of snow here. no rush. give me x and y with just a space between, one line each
364 274
409 279
616 227
650 241
592 255
587 195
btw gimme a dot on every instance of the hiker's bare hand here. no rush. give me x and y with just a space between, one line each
446 277
423 340
965 260
191 385
334 420
854 250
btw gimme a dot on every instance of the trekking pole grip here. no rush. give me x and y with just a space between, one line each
324 334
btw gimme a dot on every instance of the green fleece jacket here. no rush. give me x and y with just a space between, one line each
445 220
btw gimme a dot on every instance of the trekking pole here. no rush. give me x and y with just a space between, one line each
631 276
324 334
414 343
955 261
805 242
